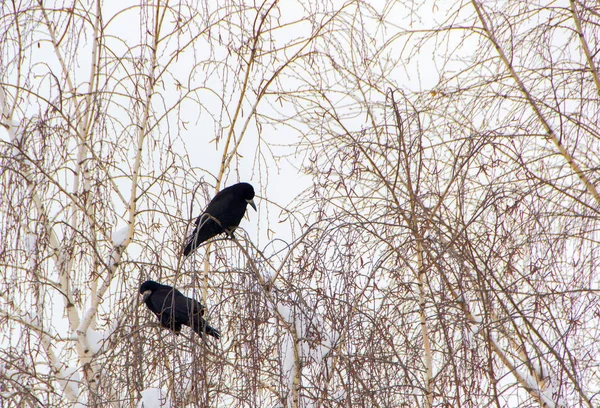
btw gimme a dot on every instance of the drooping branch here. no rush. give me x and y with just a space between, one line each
550 133
585 46
48 342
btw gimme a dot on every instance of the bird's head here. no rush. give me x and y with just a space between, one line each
248 194
148 287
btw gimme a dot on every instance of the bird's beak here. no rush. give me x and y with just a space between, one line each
251 202
146 294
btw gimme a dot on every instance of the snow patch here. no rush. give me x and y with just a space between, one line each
31 243
4 134
119 236
154 398
289 364
9 132
285 312
13 125
70 377
531 383
95 340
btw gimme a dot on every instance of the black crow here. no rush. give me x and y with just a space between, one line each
173 309
223 214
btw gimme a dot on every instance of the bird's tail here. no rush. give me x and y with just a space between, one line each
189 247
204 327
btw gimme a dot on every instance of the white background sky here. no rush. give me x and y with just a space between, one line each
281 184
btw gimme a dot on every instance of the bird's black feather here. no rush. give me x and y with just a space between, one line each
223 214
173 309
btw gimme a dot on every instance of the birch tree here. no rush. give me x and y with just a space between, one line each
462 216
443 254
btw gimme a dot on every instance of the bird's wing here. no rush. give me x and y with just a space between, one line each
221 204
160 300
186 308
229 207
206 226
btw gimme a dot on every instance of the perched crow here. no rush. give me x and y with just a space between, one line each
173 309
223 214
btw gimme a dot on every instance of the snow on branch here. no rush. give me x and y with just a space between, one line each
120 236
154 398
524 378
